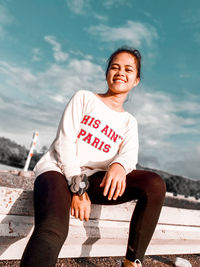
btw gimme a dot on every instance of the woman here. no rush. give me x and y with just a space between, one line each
93 160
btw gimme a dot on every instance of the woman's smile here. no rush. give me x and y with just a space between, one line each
118 80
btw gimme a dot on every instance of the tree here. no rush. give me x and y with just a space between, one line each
15 155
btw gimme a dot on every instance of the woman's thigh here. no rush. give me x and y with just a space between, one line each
138 183
52 198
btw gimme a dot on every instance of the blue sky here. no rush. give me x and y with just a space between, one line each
51 49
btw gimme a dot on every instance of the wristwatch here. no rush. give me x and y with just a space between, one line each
78 184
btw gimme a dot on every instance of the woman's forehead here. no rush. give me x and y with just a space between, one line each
125 58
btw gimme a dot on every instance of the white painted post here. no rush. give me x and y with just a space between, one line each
30 154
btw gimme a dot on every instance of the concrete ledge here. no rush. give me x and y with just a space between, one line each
177 231
180 201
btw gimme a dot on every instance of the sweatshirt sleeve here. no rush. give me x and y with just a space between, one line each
65 142
127 155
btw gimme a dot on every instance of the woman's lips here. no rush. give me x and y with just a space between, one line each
119 80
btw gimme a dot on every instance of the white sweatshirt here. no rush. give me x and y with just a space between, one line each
90 137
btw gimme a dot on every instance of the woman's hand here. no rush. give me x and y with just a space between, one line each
114 181
81 207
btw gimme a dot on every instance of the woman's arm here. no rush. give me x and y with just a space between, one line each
65 148
127 155
114 182
65 142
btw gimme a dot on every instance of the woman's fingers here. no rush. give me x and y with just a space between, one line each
81 207
87 214
81 214
76 213
107 186
72 211
102 184
123 187
117 191
114 181
112 189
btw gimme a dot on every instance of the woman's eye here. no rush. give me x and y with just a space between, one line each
129 70
114 68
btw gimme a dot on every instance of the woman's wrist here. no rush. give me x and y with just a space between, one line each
81 197
78 184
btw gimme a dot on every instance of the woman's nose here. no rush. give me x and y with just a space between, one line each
121 72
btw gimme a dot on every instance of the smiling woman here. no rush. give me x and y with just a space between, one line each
122 74
93 160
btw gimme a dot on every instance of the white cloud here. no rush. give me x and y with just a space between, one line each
84 8
163 113
5 16
35 101
36 54
167 129
5 19
133 32
15 76
58 98
185 161
58 54
185 75
198 147
78 6
191 20
79 54
100 17
116 3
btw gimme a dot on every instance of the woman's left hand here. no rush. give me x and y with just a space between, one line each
114 181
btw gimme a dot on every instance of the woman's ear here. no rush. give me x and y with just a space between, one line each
136 81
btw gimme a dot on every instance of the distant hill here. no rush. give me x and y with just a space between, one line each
177 184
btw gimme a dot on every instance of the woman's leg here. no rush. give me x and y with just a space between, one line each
52 201
151 196
149 189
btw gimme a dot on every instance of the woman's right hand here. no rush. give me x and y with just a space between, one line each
81 207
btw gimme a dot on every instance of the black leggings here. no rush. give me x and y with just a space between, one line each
52 202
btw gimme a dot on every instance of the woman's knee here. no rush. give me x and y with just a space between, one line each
51 185
50 179
155 184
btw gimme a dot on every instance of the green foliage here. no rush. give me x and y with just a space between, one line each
15 155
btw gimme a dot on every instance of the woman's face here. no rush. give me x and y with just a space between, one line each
122 73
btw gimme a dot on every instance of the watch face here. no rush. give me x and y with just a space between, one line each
79 184
82 184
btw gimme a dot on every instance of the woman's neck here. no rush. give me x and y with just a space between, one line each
115 101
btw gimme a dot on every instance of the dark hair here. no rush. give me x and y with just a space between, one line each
134 52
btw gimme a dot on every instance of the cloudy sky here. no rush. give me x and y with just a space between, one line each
51 49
